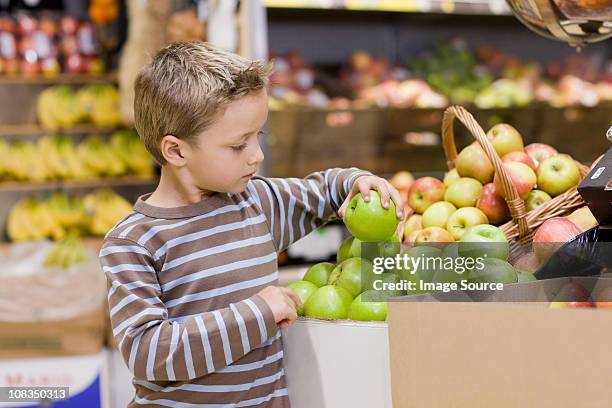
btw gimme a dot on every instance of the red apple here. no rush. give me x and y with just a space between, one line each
493 204
473 162
521 175
424 192
505 139
528 262
539 152
434 236
520 157
551 235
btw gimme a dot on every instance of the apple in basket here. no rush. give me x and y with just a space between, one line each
424 192
505 139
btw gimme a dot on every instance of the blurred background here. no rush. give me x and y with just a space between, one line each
359 83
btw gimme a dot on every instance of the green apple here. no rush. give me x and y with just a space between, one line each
473 162
536 198
367 310
451 177
437 214
463 192
464 218
505 139
494 271
524 276
328 302
558 174
318 274
389 277
344 252
369 221
485 241
355 275
303 289
423 267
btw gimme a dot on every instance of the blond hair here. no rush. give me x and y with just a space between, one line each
184 87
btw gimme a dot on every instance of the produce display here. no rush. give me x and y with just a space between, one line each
48 45
59 158
62 106
65 253
59 216
448 73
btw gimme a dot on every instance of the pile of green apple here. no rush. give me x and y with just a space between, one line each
343 290
470 194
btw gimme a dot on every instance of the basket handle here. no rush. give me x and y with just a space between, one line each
515 202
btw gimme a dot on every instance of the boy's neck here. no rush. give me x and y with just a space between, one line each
176 189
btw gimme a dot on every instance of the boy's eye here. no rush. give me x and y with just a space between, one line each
239 147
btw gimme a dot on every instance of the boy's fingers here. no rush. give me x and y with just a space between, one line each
295 298
364 190
384 193
399 203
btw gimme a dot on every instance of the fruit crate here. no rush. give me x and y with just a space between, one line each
304 140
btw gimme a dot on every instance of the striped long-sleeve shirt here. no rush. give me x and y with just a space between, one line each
183 286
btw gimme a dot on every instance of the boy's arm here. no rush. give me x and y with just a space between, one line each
294 207
156 348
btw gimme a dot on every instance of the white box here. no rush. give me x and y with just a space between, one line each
86 377
332 364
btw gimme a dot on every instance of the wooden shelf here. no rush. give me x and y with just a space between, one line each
35 129
125 181
75 79
477 7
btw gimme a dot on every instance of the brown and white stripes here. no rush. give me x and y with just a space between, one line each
183 286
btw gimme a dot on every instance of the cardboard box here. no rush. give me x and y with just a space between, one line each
86 377
462 354
47 312
337 364
83 334
596 189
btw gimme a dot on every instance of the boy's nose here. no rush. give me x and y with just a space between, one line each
258 155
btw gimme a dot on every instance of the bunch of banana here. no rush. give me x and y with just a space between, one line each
105 209
60 157
99 158
101 104
4 154
23 162
31 219
129 149
69 212
58 107
66 253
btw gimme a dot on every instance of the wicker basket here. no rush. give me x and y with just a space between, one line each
521 228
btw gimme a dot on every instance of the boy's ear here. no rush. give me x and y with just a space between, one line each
173 150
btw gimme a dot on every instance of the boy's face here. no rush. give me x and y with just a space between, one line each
228 152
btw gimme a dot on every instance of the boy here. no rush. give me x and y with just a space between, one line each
192 271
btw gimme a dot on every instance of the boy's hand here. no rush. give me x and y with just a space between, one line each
283 302
364 184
